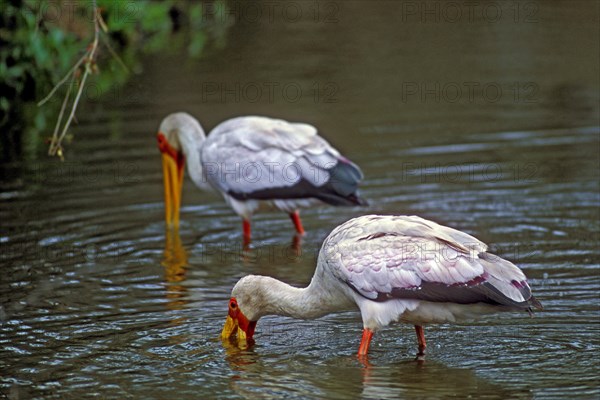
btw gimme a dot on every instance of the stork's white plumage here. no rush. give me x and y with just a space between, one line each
255 162
392 268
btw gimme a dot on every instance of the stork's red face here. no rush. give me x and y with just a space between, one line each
237 323
172 161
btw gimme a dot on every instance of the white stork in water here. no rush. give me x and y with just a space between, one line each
392 268
255 162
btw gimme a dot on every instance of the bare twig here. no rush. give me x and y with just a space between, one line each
63 80
114 54
52 151
88 61
55 144
60 115
108 45
101 20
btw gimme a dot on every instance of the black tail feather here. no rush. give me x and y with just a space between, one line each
535 303
341 189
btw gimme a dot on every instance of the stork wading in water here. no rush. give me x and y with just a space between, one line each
392 268
255 162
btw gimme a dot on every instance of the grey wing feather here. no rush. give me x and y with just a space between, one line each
385 257
264 158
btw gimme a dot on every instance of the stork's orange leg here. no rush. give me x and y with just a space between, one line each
295 216
422 344
363 349
247 230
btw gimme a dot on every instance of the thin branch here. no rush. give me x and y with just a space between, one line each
54 140
63 80
89 60
73 108
107 42
114 54
101 20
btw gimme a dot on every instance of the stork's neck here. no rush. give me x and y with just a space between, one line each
191 141
314 301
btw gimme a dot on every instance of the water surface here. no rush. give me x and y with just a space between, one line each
98 301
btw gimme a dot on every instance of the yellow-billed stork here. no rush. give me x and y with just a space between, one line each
392 268
255 162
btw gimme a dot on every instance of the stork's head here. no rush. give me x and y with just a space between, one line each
178 134
245 308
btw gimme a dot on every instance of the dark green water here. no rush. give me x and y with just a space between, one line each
487 124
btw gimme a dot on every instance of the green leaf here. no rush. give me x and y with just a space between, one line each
4 104
15 71
40 121
197 44
196 14
156 17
